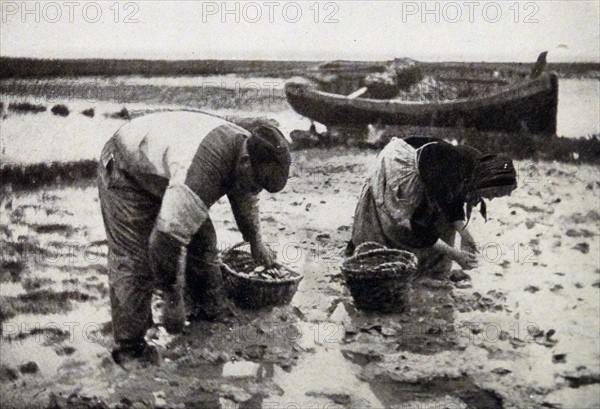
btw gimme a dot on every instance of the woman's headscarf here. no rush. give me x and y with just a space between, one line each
452 173
446 172
493 176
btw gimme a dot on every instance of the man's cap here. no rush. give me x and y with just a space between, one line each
270 157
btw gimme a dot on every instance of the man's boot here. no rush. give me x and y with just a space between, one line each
135 351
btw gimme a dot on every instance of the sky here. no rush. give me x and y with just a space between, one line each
303 30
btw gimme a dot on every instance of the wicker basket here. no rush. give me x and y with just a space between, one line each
379 277
254 292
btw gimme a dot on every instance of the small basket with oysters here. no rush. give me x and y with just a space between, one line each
254 286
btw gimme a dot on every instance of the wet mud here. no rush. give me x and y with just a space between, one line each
521 330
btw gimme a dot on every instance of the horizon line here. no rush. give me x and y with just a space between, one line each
282 60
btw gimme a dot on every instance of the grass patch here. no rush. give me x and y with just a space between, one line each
8 374
5 230
52 228
34 176
11 269
26 108
526 146
517 145
18 254
52 335
122 114
13 259
60 110
206 97
98 287
41 302
89 268
7 311
88 112
48 68
11 67
35 283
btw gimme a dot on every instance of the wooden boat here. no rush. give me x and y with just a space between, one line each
519 103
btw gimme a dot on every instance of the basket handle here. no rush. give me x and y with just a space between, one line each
235 246
243 243
368 246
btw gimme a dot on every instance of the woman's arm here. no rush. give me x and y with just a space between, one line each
467 242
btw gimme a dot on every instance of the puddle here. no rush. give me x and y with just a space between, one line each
323 373
447 393
241 369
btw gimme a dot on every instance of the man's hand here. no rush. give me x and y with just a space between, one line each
173 311
167 261
262 254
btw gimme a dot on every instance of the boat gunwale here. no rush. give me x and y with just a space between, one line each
516 91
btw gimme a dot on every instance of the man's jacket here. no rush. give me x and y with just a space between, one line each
189 160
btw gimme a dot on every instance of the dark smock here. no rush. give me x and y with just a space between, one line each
394 208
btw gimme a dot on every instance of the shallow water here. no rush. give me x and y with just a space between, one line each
81 326
578 107
34 138
44 137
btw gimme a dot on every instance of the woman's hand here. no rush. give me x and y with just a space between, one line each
466 259
262 254
469 246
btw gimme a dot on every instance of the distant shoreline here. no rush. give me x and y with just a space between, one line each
49 68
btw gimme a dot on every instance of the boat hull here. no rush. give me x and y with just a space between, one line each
530 105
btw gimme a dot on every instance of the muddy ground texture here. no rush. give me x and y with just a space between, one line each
519 331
